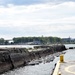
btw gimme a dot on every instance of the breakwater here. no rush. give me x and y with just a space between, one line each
11 58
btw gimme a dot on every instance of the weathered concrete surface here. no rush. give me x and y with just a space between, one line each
5 63
5 66
17 59
67 68
14 57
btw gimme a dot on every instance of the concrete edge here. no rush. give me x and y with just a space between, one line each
56 70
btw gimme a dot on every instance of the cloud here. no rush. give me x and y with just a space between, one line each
40 19
31 2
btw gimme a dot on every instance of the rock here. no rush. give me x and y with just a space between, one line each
34 62
71 48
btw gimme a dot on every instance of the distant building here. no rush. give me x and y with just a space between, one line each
36 42
68 40
9 41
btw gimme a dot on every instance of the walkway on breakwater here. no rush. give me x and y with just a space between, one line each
64 67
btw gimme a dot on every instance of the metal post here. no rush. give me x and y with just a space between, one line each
61 58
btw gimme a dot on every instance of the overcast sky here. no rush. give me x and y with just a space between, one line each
36 18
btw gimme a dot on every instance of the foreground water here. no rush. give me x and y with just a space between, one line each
42 69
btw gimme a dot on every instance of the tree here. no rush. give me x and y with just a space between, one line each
43 40
6 42
1 41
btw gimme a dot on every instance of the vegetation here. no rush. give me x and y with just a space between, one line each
36 40
42 40
1 41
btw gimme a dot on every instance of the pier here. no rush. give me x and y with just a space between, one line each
64 67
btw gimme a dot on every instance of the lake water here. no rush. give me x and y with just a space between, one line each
30 46
17 46
43 69
69 45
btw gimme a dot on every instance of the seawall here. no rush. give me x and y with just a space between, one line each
11 58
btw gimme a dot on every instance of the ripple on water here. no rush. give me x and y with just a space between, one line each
41 69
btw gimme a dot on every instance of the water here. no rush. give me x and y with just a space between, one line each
42 69
17 46
69 45
30 46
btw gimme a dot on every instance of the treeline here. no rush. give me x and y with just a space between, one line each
31 40
3 41
41 40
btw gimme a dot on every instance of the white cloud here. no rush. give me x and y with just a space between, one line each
41 18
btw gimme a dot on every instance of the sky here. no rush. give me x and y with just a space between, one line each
23 18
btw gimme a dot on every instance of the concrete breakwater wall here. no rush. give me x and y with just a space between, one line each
11 58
